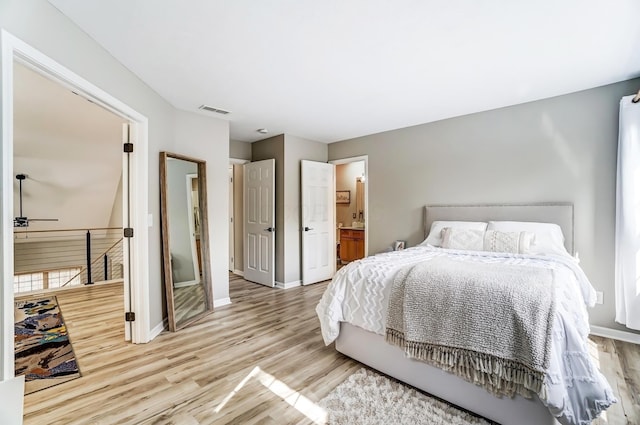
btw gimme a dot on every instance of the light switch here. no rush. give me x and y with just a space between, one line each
599 297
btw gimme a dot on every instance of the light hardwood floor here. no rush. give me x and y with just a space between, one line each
258 360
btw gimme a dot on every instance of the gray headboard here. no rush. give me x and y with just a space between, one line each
558 213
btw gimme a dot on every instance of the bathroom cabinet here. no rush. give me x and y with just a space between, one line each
351 244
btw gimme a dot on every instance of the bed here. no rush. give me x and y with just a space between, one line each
353 313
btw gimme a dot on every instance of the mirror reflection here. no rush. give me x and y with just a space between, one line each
360 198
184 236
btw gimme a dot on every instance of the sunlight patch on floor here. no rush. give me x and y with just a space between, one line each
593 351
301 403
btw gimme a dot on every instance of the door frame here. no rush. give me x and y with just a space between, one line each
349 160
231 222
234 214
136 272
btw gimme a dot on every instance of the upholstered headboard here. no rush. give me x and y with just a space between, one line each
558 213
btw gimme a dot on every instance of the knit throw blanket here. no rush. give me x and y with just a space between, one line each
490 324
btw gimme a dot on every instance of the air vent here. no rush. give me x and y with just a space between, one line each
212 109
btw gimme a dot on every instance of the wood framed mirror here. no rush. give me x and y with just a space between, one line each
185 239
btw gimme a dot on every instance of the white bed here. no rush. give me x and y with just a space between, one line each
370 348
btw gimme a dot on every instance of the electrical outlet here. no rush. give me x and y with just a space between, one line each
599 297
353 215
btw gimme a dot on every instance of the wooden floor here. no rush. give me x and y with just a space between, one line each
258 360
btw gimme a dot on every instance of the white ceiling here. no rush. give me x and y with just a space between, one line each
333 69
71 151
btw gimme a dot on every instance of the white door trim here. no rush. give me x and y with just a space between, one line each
231 221
364 158
237 215
14 49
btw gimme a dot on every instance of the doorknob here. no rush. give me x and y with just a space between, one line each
306 229
270 229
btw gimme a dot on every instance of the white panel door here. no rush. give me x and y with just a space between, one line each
259 221
318 222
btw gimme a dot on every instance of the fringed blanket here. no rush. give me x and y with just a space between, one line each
487 323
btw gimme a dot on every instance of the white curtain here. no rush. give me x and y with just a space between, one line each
628 216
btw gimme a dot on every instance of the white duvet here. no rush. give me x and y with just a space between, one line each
576 390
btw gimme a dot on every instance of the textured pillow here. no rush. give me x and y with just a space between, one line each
512 242
457 238
548 236
435 233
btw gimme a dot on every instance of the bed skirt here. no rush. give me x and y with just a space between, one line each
372 350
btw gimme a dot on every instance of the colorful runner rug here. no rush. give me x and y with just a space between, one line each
43 352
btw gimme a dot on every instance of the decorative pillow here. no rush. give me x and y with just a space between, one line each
513 242
548 236
457 238
435 233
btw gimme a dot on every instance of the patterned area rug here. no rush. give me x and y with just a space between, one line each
43 352
367 398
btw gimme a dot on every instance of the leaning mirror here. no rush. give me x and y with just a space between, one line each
185 239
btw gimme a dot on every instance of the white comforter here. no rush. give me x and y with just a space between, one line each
576 390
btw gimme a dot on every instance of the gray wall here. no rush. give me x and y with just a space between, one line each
239 150
39 24
557 149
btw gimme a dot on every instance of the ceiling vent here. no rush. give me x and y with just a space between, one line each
212 109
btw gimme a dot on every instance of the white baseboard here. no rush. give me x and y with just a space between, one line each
631 337
238 272
288 285
221 302
158 329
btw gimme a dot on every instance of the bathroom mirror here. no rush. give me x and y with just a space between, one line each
185 239
360 198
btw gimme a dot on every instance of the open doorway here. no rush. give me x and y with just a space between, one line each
351 209
68 154
68 221
236 211
134 195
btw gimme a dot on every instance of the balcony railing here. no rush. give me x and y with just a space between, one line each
52 259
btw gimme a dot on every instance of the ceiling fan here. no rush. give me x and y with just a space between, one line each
23 221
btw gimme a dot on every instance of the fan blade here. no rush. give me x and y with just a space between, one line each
24 221
20 222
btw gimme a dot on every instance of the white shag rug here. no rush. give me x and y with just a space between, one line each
367 398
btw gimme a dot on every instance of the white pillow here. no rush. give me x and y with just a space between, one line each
459 238
548 236
435 233
512 242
